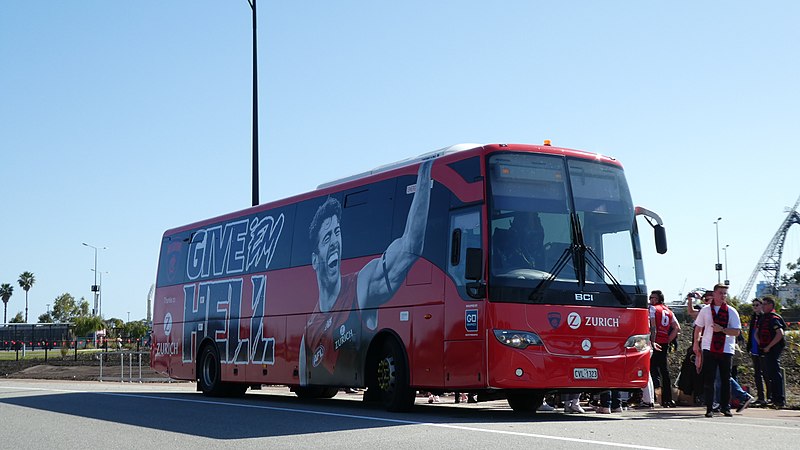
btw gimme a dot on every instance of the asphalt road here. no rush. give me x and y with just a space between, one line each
53 414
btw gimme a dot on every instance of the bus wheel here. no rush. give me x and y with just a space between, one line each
209 373
307 392
329 392
525 401
236 389
392 378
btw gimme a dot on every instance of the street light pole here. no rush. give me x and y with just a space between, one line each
718 266
100 291
100 297
255 105
95 287
725 251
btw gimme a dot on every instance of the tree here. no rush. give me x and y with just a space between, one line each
135 330
794 277
83 308
65 309
6 290
18 318
116 326
46 318
26 280
84 326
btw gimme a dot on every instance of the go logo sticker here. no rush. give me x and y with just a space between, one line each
471 320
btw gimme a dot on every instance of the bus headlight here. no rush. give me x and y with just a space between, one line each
517 339
640 342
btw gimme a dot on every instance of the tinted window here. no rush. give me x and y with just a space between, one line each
367 219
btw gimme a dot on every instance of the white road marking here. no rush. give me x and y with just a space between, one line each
390 420
347 416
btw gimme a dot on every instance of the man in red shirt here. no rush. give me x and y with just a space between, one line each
663 330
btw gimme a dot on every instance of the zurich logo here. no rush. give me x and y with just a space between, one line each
167 324
574 320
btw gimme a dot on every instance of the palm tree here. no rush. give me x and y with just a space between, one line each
25 281
5 293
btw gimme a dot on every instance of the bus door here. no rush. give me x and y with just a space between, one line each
464 352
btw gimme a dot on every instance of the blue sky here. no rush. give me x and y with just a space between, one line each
119 120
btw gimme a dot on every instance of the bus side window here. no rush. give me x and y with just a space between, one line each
465 232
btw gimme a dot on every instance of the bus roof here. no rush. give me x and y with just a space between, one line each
453 149
402 163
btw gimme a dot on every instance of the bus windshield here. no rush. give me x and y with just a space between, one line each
562 232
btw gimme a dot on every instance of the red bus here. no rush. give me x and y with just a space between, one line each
506 270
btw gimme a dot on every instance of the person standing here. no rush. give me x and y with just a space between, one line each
758 368
719 325
572 403
691 378
771 342
609 402
663 330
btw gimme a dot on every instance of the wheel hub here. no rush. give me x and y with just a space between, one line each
385 374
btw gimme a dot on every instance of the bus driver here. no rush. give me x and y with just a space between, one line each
332 338
524 242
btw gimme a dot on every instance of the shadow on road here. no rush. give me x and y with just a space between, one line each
267 415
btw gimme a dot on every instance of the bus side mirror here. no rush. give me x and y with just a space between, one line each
473 270
474 265
661 239
658 228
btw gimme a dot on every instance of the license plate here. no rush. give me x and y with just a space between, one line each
584 374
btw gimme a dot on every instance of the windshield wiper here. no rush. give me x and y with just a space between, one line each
576 251
614 286
581 261
580 250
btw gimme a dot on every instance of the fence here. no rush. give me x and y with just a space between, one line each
65 346
132 377
14 336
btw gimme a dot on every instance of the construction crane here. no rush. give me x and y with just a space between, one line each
769 265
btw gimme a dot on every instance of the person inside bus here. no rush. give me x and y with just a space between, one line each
332 343
522 246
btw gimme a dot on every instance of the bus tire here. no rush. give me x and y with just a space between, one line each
524 401
392 377
329 392
236 389
309 392
209 374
